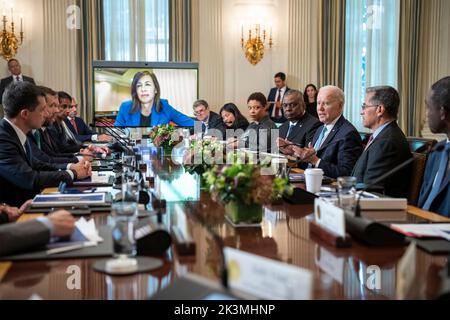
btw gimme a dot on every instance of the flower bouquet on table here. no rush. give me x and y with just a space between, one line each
202 156
164 136
244 189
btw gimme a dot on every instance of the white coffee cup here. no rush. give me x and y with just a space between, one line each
313 180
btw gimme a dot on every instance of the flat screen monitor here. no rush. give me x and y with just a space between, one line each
113 86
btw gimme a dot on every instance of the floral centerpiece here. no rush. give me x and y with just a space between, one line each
162 137
202 156
243 189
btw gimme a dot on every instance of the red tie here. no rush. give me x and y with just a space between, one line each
369 142
74 125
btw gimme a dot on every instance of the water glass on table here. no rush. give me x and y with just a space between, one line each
347 193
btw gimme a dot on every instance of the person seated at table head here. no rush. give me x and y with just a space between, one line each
208 118
387 146
310 98
32 234
21 175
336 145
259 131
77 125
435 191
146 108
300 126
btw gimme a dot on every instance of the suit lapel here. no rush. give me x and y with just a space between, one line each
296 130
16 140
332 134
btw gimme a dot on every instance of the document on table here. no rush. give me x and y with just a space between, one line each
436 230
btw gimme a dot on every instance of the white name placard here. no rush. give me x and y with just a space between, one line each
329 216
266 278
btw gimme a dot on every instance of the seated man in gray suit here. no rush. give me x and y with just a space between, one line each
32 234
387 146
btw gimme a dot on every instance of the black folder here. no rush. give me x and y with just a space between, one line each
103 249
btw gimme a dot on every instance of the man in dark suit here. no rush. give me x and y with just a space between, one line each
435 192
33 234
301 126
275 98
336 145
209 119
15 69
21 175
387 146
77 125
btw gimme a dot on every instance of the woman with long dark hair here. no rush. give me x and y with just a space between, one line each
310 97
146 108
232 118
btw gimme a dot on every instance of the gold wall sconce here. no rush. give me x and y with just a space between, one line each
9 44
254 46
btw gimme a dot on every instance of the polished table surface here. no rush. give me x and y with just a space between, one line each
283 235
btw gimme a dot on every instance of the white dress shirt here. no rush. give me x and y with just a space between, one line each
283 91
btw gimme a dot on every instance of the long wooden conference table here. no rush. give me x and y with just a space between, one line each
284 235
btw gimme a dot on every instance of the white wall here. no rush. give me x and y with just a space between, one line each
31 53
240 77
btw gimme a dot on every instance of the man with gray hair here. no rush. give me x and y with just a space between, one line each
387 146
336 145
208 118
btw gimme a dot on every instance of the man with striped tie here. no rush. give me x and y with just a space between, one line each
336 145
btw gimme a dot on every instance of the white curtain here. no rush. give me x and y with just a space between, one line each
372 46
136 30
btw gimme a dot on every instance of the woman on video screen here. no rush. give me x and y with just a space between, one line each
147 109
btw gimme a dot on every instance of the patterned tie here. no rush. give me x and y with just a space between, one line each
320 139
277 111
443 165
74 124
37 138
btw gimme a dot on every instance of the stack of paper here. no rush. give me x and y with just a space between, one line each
437 230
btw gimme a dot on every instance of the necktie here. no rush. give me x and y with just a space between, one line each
17 78
28 151
74 125
37 138
369 142
320 139
68 133
47 139
277 111
439 178
291 126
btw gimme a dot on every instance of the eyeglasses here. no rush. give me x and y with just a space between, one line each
365 106
291 105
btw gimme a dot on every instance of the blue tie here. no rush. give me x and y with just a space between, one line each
439 178
291 126
320 139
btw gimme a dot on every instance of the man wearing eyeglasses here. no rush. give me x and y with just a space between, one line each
387 146
208 118
301 126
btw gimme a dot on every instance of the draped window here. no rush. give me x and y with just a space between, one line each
136 30
372 48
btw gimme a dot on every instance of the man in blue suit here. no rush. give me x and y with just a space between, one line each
336 145
77 125
435 192
275 98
